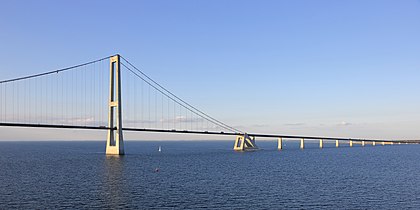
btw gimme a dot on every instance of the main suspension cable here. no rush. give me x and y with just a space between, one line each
52 72
187 104
191 109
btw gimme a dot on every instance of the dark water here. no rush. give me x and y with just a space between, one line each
45 175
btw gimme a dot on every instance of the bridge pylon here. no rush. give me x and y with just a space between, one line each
244 142
114 142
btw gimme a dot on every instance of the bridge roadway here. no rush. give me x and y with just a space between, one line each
27 125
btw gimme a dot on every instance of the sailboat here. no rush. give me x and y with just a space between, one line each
160 149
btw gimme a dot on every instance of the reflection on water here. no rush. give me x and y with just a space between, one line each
113 181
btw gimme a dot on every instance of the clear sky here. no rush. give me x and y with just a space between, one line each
330 68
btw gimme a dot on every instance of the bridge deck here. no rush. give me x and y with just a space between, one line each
198 132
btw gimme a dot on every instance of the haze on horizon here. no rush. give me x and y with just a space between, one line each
321 68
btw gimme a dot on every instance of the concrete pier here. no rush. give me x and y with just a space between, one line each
280 143
247 142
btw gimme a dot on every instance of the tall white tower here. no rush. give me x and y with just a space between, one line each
114 142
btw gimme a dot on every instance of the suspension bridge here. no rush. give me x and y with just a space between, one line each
114 95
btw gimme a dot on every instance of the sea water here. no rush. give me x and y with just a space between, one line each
208 174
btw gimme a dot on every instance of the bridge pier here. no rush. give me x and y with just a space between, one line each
351 143
373 143
302 143
363 143
336 143
280 143
114 142
383 143
321 143
244 142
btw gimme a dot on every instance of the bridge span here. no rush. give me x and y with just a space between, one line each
77 97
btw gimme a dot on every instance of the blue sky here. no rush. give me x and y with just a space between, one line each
341 68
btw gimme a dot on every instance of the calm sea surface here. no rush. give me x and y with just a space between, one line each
191 175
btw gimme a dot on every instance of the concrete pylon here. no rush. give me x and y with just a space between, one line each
321 143
337 143
244 142
114 142
302 143
363 143
351 143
